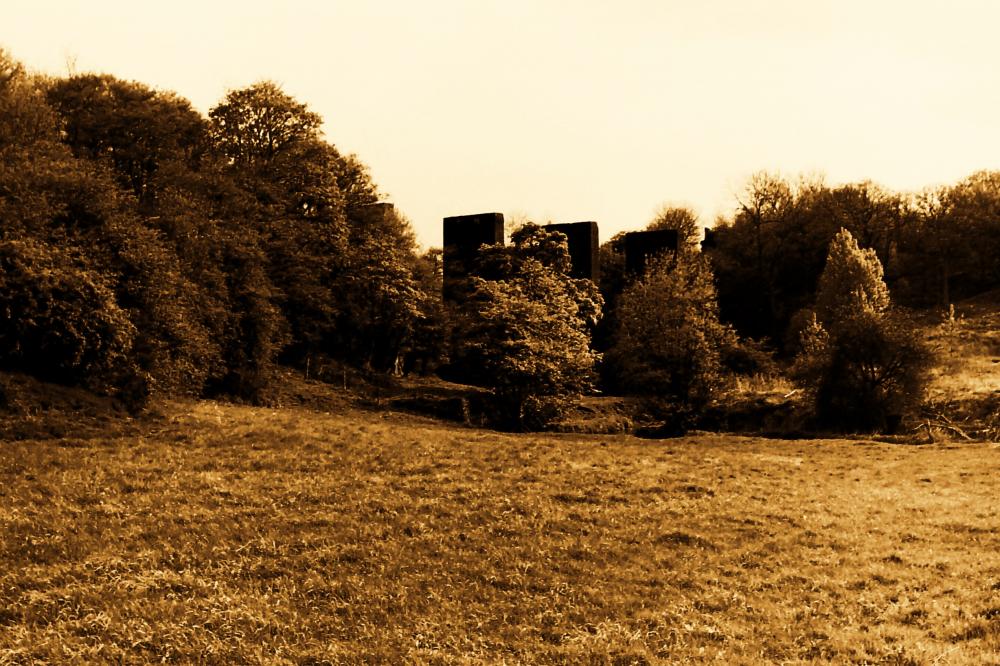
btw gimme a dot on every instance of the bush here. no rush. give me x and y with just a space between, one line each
748 358
867 373
529 342
524 329
60 322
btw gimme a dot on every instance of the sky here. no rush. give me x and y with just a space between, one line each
569 111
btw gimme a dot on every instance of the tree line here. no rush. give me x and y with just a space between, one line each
936 246
672 339
146 248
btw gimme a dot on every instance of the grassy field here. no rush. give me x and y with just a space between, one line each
225 534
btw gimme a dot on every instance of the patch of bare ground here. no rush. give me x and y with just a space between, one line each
228 534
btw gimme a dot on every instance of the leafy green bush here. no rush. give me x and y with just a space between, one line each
59 321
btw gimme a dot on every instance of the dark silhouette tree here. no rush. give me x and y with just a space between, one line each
681 219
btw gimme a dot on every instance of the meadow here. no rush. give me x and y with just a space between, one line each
235 535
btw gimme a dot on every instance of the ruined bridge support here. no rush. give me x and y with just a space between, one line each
582 238
463 236
643 246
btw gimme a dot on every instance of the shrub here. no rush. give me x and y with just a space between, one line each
531 344
866 373
524 330
748 358
59 321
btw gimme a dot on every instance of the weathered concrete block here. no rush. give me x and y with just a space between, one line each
463 236
642 246
584 243
381 209
709 241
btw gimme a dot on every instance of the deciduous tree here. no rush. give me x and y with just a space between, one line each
668 342
526 328
254 125
135 129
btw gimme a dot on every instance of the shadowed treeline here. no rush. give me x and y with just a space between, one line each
146 248
149 250
937 246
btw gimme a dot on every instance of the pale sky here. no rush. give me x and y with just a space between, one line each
574 110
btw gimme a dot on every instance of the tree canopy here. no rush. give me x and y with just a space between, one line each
192 253
255 125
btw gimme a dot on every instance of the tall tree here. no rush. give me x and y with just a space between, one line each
750 256
863 363
681 219
136 129
49 199
254 125
378 294
271 146
871 213
973 236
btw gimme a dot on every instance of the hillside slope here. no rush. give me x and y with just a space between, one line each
965 382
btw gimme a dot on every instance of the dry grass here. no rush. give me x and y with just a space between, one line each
232 535
964 393
968 350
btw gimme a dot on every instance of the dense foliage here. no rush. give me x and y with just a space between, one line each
668 341
851 283
142 240
61 320
862 362
614 279
525 330
148 248
936 246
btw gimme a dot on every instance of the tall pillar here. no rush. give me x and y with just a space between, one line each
710 241
582 239
463 236
642 246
